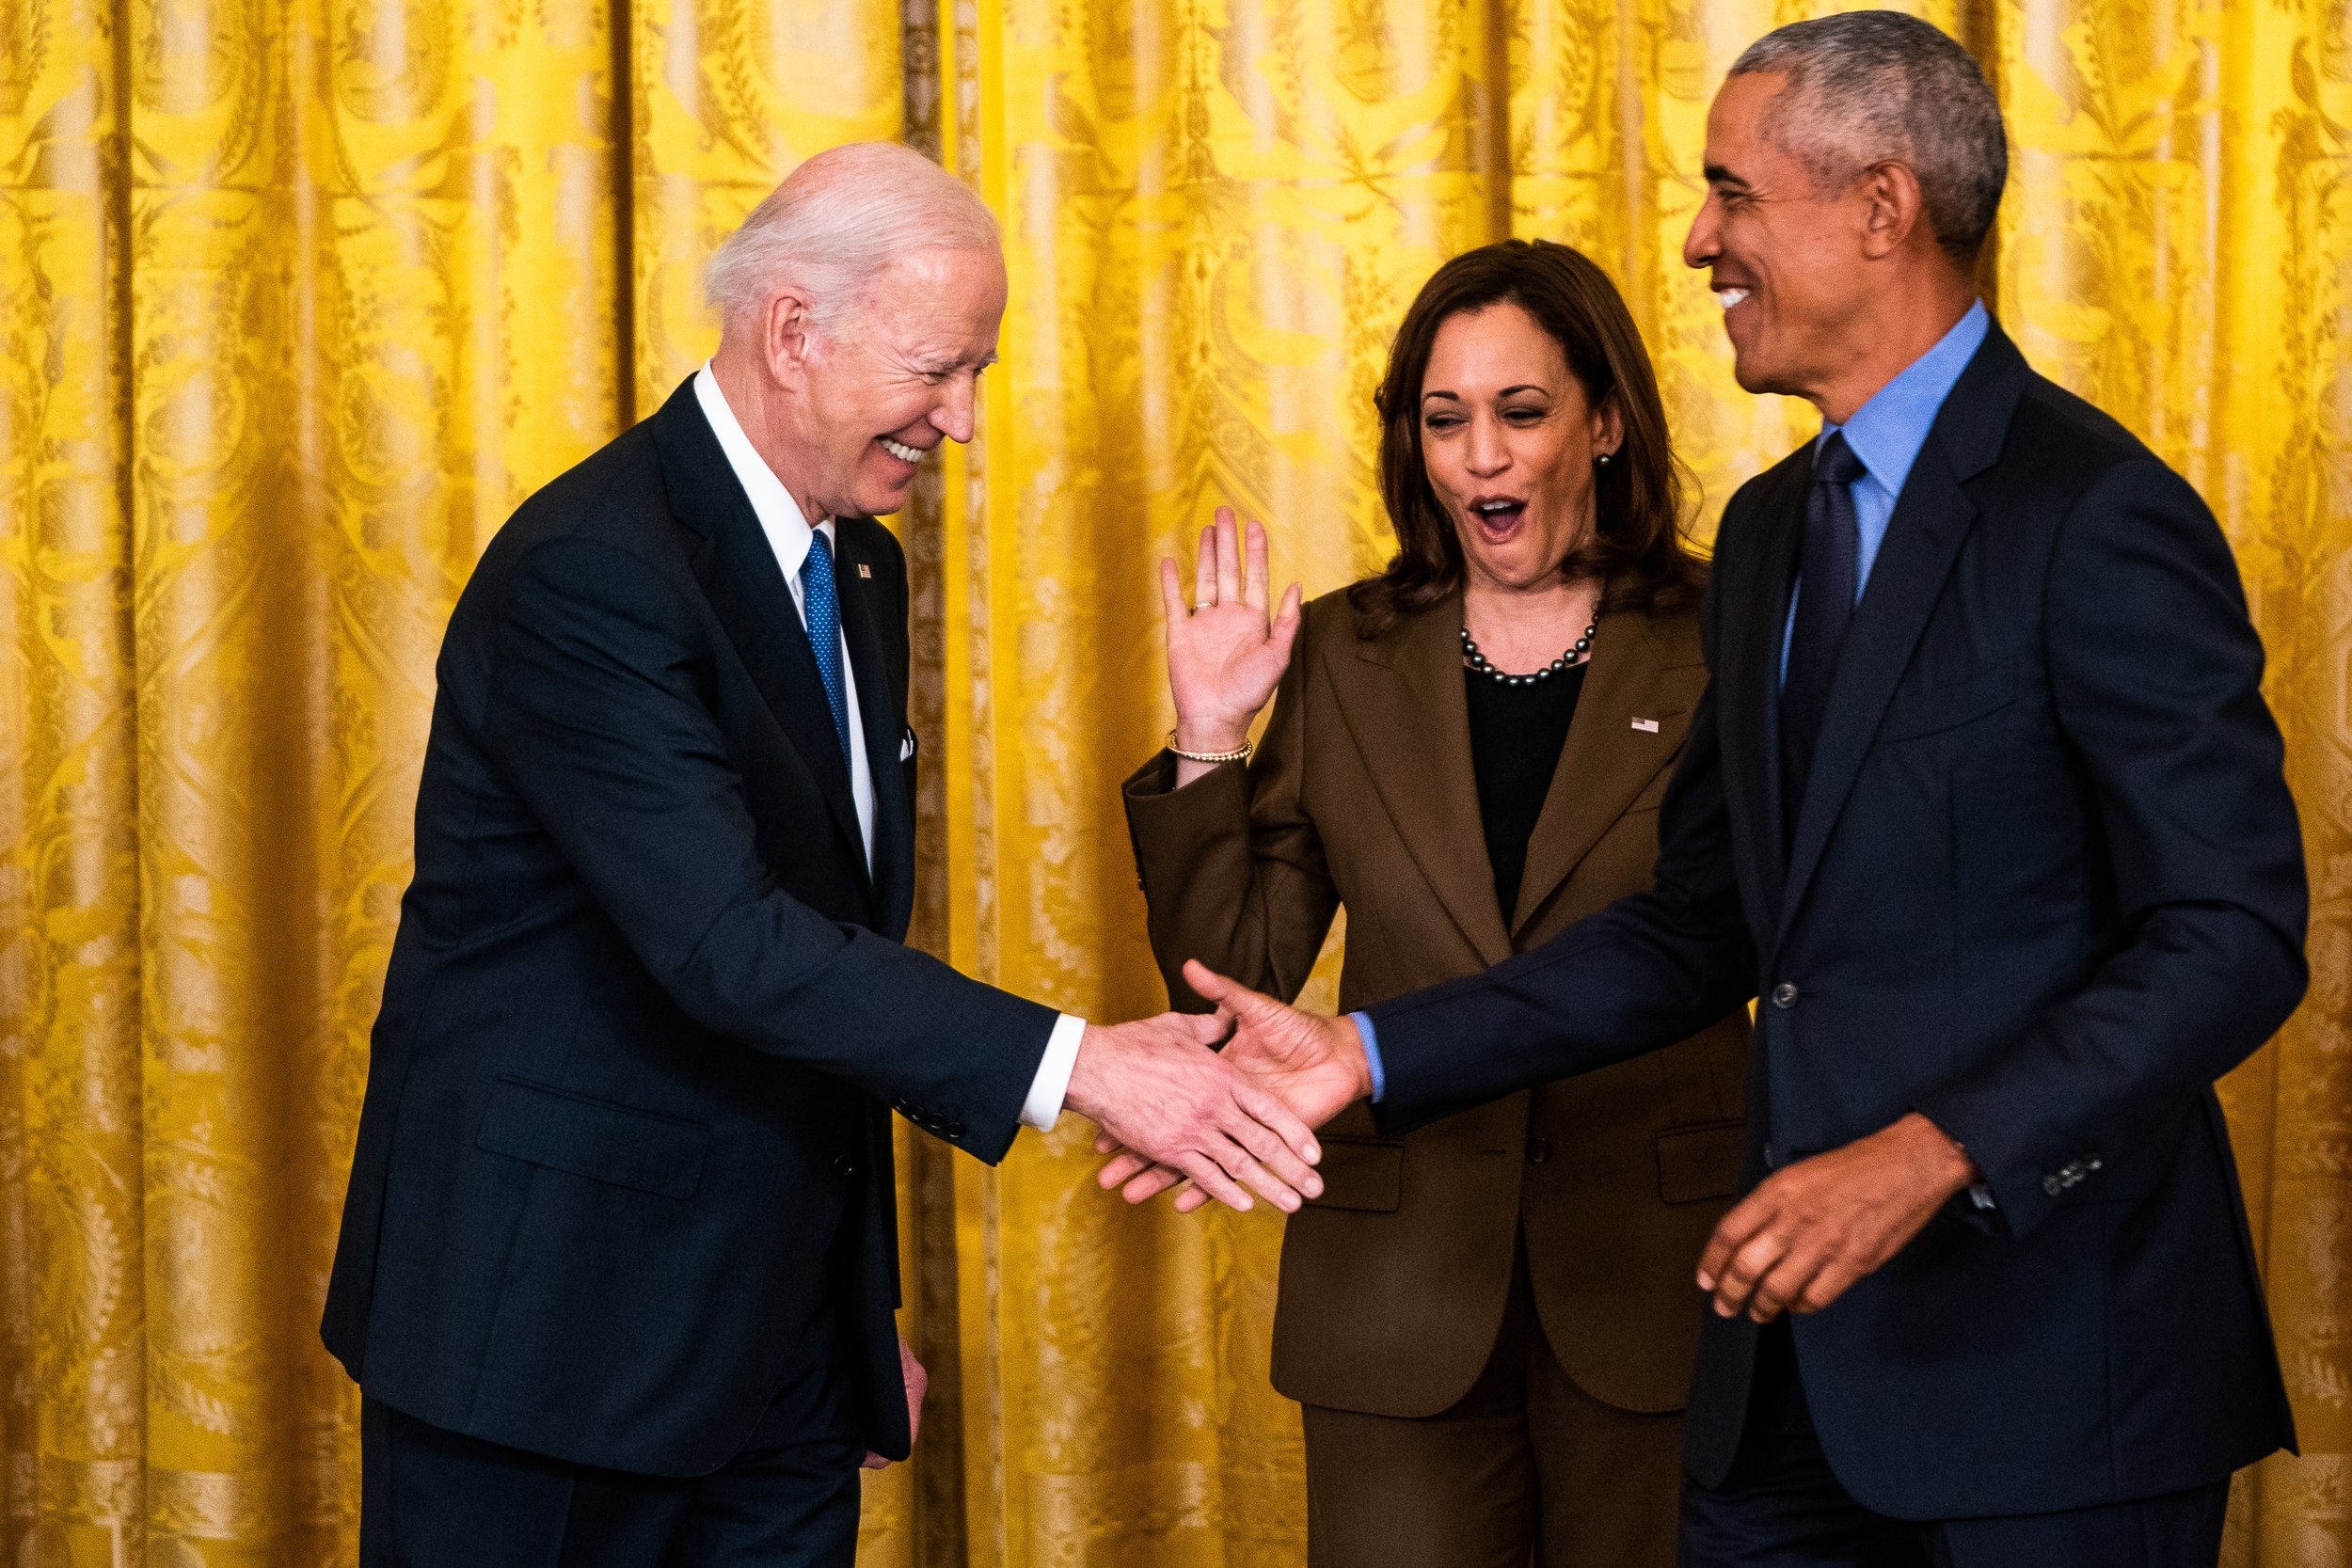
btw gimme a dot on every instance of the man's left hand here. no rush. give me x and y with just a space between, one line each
1807 1232
918 1383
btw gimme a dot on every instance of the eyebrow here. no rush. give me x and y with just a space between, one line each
1523 386
1718 175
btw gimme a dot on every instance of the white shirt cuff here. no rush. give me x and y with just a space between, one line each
1044 1106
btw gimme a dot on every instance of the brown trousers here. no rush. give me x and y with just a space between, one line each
1526 1469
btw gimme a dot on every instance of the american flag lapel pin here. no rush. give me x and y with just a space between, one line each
1647 726
866 571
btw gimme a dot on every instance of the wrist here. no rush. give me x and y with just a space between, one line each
1941 1155
1212 735
1079 1095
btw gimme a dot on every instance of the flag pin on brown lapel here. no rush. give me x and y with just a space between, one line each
866 571
1647 726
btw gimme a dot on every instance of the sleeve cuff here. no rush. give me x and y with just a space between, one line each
1044 1106
1372 1053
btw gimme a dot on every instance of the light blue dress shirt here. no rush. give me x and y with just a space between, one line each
1886 434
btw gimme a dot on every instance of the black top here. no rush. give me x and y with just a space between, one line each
1516 733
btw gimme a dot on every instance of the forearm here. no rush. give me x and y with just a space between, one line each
1635 977
2102 1074
1251 901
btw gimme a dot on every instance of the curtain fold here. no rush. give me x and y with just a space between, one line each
299 299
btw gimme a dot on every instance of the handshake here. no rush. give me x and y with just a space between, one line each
1231 1124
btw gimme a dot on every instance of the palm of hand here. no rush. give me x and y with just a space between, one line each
1293 1054
1223 662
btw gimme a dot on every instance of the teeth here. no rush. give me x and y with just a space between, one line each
1730 298
1497 506
902 452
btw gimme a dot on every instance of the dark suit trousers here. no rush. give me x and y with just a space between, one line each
1781 1507
433 1498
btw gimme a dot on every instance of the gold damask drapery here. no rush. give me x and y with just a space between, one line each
299 297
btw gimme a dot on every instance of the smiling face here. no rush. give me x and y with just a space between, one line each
871 395
1787 262
1508 440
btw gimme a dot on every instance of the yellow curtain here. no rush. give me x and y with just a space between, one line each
299 299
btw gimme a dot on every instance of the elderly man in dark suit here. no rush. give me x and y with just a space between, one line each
1983 802
618 1263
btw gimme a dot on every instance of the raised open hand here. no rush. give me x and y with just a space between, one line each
1314 1064
1224 655
1154 1085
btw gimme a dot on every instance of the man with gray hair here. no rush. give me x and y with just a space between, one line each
1984 804
619 1260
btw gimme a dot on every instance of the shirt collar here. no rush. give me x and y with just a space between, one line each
780 516
1887 431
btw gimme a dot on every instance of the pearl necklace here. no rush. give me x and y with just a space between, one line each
1476 660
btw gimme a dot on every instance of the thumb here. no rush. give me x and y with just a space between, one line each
1233 998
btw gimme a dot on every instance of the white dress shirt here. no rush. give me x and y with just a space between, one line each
789 535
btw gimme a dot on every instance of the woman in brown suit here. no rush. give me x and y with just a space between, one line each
1488 1322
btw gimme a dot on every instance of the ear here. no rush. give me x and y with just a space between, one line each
1609 426
788 336
1894 211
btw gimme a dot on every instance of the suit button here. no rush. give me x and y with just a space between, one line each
1538 1151
844 1166
1785 995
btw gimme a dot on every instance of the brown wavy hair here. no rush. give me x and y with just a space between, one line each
1637 545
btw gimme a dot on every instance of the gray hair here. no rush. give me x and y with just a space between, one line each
1870 87
836 222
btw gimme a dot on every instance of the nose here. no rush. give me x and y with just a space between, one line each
953 416
1704 243
1487 453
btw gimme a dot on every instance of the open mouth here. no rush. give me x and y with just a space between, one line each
900 451
1498 517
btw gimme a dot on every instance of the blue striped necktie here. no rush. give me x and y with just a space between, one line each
824 630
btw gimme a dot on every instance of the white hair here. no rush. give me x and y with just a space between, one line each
1867 86
836 222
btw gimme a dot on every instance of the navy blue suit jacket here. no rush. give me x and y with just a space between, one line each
2045 886
625 1133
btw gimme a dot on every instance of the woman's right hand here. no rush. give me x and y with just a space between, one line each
1224 656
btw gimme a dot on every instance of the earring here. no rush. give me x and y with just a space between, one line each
1602 460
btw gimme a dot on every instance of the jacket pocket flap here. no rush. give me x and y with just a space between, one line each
1361 1173
593 1138
1927 710
1695 1164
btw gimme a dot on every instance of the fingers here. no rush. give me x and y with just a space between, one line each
1786 1280
1253 583
1204 570
1152 1183
1171 592
874 1461
1237 1162
1755 1258
1263 1141
1270 1112
1733 1231
1125 1168
1228 994
1286 623
1215 1179
1227 557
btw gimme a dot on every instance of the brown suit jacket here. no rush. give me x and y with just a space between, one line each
1393 1283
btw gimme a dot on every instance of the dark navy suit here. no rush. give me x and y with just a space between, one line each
2045 885
621 1198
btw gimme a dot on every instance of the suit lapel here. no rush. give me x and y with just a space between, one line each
1400 698
1606 763
884 727
1747 676
739 574
1931 518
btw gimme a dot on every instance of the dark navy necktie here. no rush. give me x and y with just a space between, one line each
824 630
1825 606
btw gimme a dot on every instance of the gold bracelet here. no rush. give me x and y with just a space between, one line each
1239 754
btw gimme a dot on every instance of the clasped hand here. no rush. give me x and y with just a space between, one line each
1796 1243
